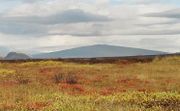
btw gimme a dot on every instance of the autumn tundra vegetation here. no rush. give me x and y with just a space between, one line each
122 85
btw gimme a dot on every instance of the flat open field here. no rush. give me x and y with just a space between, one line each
121 85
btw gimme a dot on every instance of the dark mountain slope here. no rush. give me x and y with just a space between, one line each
98 51
16 56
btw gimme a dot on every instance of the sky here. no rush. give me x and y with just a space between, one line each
33 26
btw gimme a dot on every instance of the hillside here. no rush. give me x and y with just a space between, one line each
16 56
98 51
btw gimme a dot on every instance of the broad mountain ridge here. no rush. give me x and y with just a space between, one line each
98 51
92 51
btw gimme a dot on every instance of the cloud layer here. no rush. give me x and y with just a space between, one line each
44 25
175 13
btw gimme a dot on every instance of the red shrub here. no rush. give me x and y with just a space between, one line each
37 105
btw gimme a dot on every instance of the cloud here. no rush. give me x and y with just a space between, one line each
40 25
59 42
175 13
21 29
50 25
31 1
169 44
3 50
147 2
140 1
24 1
67 16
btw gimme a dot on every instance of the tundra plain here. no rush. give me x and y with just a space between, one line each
122 85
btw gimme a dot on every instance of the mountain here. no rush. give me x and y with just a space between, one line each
16 56
98 51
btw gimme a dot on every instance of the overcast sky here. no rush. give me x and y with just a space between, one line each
33 26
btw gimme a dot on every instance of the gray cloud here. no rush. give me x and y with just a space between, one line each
175 13
21 28
77 22
24 1
172 22
67 16
160 31
40 25
147 2
31 1
48 23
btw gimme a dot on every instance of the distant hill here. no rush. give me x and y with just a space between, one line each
98 51
16 56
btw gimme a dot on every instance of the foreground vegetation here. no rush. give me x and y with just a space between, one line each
67 86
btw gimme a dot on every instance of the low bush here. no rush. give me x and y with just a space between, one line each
21 79
65 78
